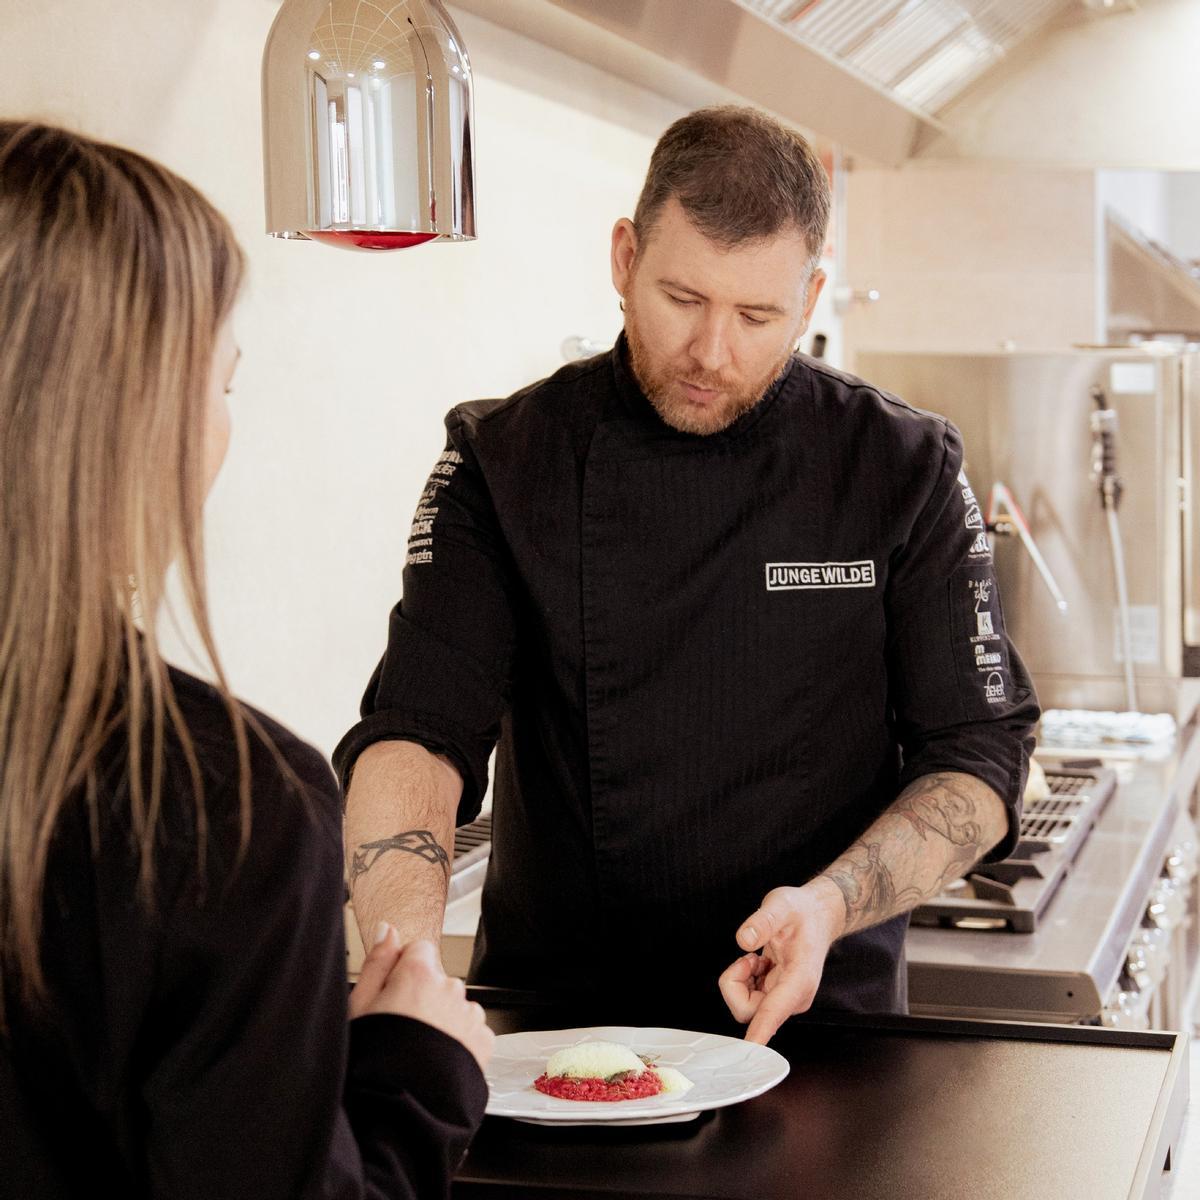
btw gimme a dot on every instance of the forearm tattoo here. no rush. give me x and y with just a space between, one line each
932 834
420 842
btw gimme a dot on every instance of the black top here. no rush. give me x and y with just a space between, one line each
201 1050
873 1108
710 662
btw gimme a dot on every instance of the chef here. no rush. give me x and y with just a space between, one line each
728 616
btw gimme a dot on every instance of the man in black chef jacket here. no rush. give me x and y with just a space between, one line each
730 615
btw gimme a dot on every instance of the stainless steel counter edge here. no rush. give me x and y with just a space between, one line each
1166 1126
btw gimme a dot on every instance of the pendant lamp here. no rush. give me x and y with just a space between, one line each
367 124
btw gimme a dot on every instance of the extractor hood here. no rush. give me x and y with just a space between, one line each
698 52
921 52
870 75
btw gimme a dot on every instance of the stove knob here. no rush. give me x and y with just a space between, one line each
1167 905
1149 945
1146 945
1138 970
1180 866
1160 942
1127 1010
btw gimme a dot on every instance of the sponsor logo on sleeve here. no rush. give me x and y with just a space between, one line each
981 549
983 614
988 657
993 688
420 539
973 518
799 576
986 660
981 593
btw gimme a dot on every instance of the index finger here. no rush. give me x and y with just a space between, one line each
793 994
767 1020
790 996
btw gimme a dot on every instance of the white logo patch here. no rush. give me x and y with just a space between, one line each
973 518
420 536
792 577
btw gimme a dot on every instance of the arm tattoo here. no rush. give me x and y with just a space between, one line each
932 834
940 804
867 886
420 842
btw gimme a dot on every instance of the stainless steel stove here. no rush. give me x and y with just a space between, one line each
1094 921
1013 895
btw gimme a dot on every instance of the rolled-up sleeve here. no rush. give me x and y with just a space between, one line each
443 680
960 696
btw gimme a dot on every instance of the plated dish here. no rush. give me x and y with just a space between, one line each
722 1070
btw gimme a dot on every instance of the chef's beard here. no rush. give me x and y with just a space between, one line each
656 383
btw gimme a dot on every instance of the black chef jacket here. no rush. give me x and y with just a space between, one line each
710 662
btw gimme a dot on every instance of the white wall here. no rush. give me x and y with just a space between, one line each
971 257
1092 90
350 360
1141 197
1183 214
1164 205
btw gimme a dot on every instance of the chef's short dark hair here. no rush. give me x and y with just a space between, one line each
739 175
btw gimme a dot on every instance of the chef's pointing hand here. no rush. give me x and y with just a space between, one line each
788 938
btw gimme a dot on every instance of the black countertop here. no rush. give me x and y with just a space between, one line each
893 1108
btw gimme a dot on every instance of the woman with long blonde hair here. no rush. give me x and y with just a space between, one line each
173 1012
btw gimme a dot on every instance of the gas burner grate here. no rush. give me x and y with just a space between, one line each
1069 785
1013 894
1046 828
472 842
1051 821
477 833
1057 806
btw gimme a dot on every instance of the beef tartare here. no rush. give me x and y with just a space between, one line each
618 1087
605 1071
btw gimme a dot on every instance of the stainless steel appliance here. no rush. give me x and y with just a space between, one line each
1014 894
1116 942
1027 423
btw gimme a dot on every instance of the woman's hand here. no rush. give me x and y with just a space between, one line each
410 982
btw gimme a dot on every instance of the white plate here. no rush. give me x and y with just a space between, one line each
723 1071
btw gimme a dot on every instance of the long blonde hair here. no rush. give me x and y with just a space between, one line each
115 278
